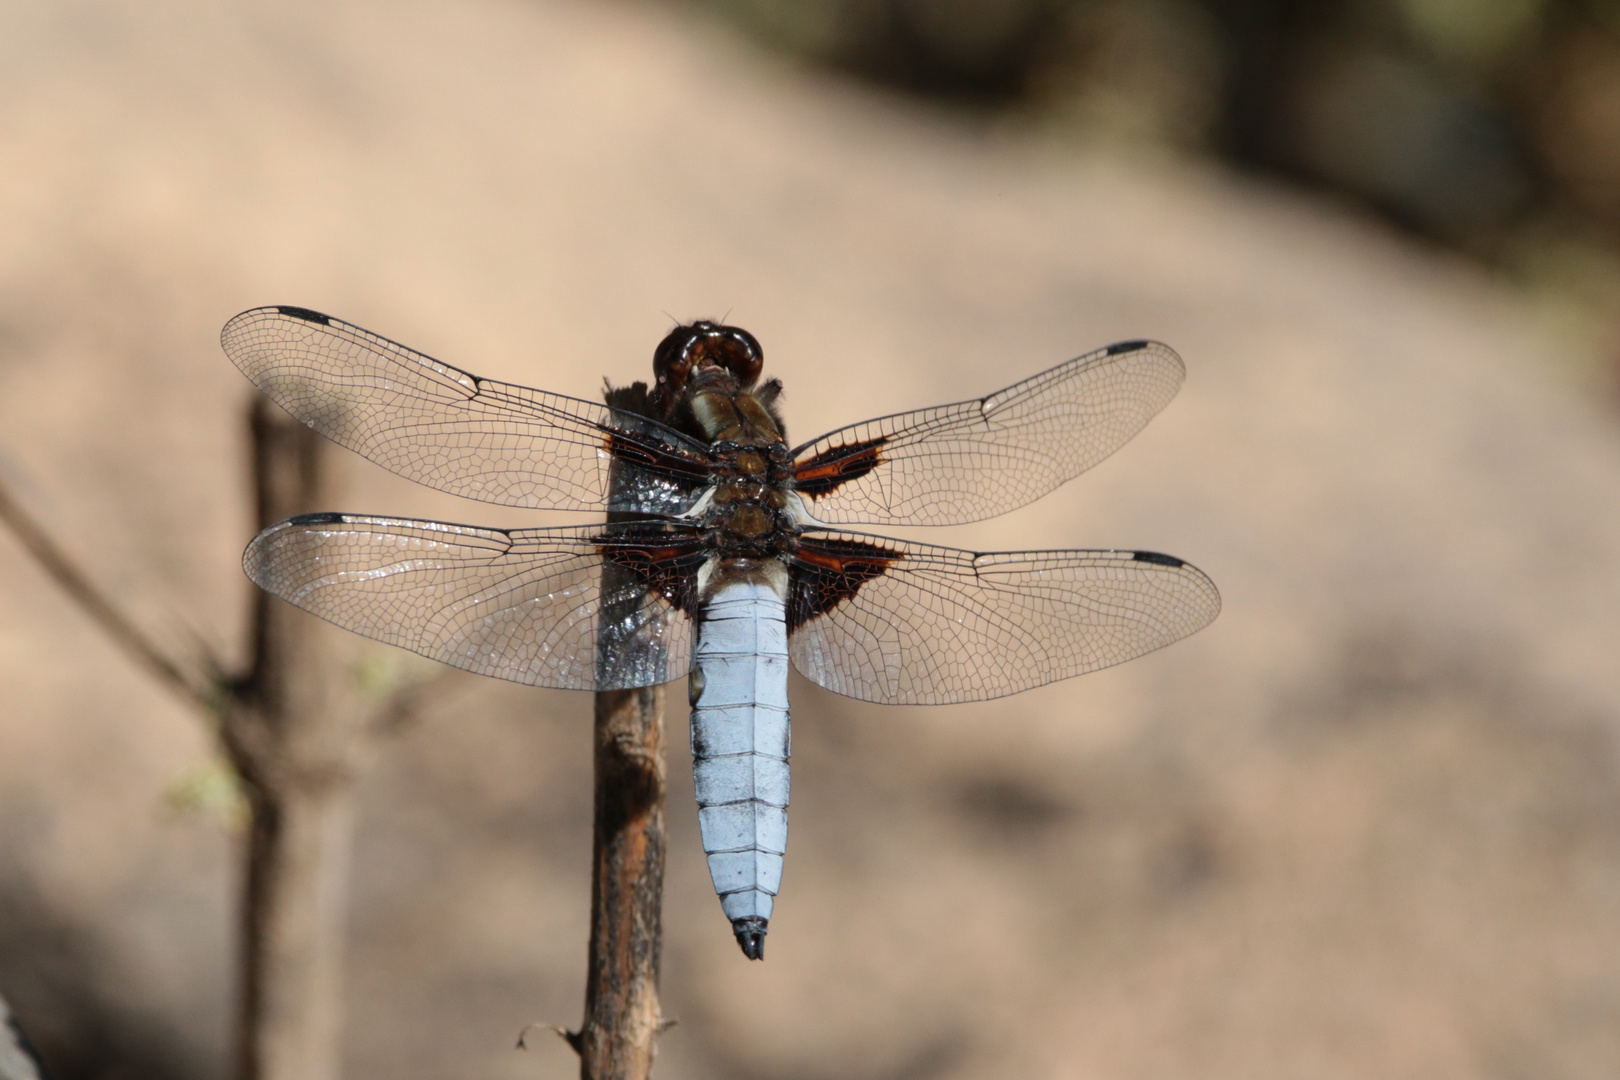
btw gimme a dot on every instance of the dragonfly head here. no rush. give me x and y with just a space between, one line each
705 344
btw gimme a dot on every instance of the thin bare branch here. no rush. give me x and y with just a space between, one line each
569 1037
195 687
295 734
406 705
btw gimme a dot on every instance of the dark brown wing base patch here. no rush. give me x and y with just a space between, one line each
818 475
825 572
665 562
655 457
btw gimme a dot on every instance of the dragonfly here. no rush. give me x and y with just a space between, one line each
724 556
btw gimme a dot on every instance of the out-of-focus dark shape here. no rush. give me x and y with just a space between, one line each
1144 72
1578 123
60 983
969 51
1469 121
17 1058
1387 129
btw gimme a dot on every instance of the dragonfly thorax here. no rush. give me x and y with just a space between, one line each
748 503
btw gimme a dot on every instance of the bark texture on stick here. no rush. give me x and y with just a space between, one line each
622 1019
295 740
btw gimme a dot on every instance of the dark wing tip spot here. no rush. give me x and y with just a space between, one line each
316 519
304 313
1156 558
1126 346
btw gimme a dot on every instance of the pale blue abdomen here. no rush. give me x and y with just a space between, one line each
740 748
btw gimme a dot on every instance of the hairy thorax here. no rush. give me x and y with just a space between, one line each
706 376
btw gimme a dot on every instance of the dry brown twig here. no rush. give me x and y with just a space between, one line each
196 686
296 736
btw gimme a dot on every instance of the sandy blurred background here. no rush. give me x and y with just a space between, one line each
1366 825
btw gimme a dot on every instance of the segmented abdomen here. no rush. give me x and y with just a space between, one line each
740 747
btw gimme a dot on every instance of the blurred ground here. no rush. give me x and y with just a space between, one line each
1368 824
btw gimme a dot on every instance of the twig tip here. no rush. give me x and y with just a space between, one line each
572 1038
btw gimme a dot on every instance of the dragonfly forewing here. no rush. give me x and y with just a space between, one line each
972 460
456 432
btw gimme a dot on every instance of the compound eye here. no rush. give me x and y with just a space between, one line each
672 360
734 349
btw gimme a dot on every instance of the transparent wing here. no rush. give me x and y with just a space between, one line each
911 624
442 427
519 604
975 459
